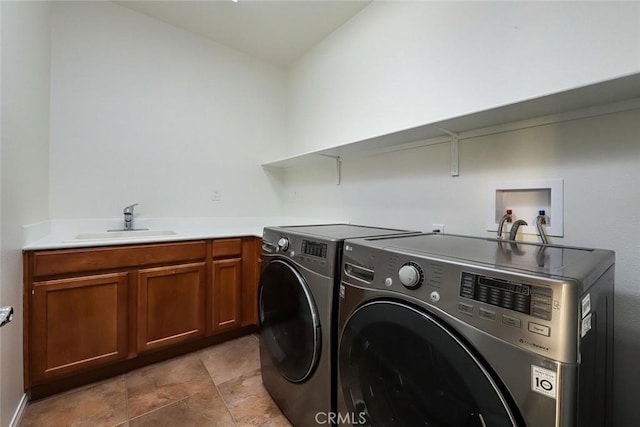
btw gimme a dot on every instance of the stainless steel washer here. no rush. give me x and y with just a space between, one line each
297 309
459 331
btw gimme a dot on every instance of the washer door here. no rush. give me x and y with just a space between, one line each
290 326
400 367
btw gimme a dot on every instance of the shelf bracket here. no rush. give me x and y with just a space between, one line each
455 171
455 139
338 167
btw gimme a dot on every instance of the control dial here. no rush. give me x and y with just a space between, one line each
283 244
411 275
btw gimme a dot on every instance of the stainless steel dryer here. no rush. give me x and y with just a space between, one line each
297 310
445 330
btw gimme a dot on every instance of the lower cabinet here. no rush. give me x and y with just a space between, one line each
227 293
170 305
77 323
89 309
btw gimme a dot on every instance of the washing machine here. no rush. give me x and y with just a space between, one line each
446 330
298 313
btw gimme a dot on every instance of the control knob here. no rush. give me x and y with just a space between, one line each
283 244
411 275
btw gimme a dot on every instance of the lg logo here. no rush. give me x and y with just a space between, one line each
350 418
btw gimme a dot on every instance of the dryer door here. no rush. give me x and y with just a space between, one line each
290 326
400 366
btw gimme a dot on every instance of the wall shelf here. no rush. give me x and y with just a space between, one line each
611 96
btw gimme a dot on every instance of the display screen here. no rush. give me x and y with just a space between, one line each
314 248
501 293
506 286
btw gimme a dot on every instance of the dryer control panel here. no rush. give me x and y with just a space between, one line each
316 249
317 255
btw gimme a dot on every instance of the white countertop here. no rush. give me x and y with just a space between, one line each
59 234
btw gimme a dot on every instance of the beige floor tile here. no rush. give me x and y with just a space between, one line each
250 403
203 409
178 392
164 383
232 359
211 405
178 414
103 404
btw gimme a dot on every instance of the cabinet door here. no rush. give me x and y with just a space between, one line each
170 305
227 288
251 248
77 323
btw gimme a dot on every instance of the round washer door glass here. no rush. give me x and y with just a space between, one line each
401 367
290 326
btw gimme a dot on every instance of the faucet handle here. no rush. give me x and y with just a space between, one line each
129 209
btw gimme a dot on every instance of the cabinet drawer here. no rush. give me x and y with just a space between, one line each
227 247
48 263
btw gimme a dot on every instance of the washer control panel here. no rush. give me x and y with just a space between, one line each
525 310
533 300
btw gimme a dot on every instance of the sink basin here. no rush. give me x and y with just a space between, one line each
131 234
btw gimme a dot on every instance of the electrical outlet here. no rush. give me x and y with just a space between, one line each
215 197
437 228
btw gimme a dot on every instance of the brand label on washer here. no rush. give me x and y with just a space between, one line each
543 381
586 326
342 291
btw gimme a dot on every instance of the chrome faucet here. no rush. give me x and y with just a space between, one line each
128 217
541 221
514 228
505 218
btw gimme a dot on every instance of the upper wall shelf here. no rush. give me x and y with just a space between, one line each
611 96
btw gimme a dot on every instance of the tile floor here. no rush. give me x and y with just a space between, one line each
217 386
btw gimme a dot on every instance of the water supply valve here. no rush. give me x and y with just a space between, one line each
509 215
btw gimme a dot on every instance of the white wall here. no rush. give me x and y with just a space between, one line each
398 64
145 112
24 168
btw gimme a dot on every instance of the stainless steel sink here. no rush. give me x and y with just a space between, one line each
129 234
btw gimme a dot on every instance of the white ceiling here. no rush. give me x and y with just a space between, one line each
274 30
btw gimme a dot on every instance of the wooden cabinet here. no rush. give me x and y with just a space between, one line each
78 323
227 293
170 305
251 249
226 284
87 310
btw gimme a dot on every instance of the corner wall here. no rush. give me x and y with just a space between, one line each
144 112
397 65
24 168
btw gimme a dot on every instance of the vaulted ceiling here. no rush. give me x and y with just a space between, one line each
274 30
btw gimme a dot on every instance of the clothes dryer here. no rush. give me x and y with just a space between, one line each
451 330
297 311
